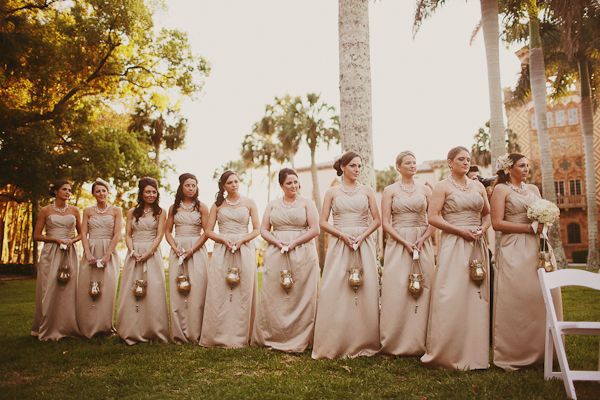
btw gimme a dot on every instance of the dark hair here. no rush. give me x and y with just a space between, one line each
344 160
473 168
138 211
179 194
284 173
220 196
503 177
455 150
100 182
55 185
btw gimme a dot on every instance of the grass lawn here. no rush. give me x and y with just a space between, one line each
106 368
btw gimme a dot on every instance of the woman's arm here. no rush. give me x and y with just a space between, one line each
40 223
312 218
430 229
254 218
265 228
486 221
210 232
129 232
324 220
76 238
376 222
159 236
498 205
203 238
84 237
169 233
118 215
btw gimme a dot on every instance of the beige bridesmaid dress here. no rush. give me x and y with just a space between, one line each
55 311
403 325
145 319
458 327
347 323
229 313
285 320
96 316
187 310
519 310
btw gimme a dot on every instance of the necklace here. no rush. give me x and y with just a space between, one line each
348 191
187 208
288 205
519 189
458 185
101 211
407 189
148 210
60 210
232 203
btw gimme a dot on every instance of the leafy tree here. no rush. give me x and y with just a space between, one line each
385 177
480 149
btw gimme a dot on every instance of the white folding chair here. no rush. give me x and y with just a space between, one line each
555 329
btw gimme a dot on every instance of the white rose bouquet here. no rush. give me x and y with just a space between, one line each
544 212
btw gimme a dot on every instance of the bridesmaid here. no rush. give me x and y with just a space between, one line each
347 322
404 207
55 315
285 319
229 311
144 318
188 257
519 325
458 327
100 233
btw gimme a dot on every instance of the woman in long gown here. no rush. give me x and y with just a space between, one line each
229 307
403 324
285 317
55 301
188 258
144 317
458 326
519 322
347 323
100 233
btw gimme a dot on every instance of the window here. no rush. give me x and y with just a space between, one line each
573 116
560 118
573 233
575 187
559 188
549 119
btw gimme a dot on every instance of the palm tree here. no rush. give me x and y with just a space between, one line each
491 37
355 83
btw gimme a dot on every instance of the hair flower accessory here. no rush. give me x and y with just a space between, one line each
504 163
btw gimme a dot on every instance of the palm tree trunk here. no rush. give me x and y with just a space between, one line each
491 37
316 192
587 129
355 83
537 78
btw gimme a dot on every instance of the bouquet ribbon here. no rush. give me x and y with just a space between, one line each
545 229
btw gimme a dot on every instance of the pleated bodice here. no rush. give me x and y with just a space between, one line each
101 226
463 208
409 211
350 211
288 218
188 223
145 229
515 209
233 220
60 226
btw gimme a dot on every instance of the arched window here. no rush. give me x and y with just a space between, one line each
573 233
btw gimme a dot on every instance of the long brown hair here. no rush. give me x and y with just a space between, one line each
220 196
138 211
179 194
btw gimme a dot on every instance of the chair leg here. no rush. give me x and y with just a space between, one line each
564 364
548 354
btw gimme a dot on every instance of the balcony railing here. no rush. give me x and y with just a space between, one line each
570 201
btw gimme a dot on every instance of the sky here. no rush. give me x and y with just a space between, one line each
429 93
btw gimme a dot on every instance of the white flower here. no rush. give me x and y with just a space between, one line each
504 163
543 211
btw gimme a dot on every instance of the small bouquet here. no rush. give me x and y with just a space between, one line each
544 212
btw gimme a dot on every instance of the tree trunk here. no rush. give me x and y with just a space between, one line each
537 76
587 129
316 192
491 37
355 83
157 154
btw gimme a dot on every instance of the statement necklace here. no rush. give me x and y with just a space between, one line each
101 211
348 191
519 189
288 205
458 185
187 208
60 210
146 211
407 189
232 203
